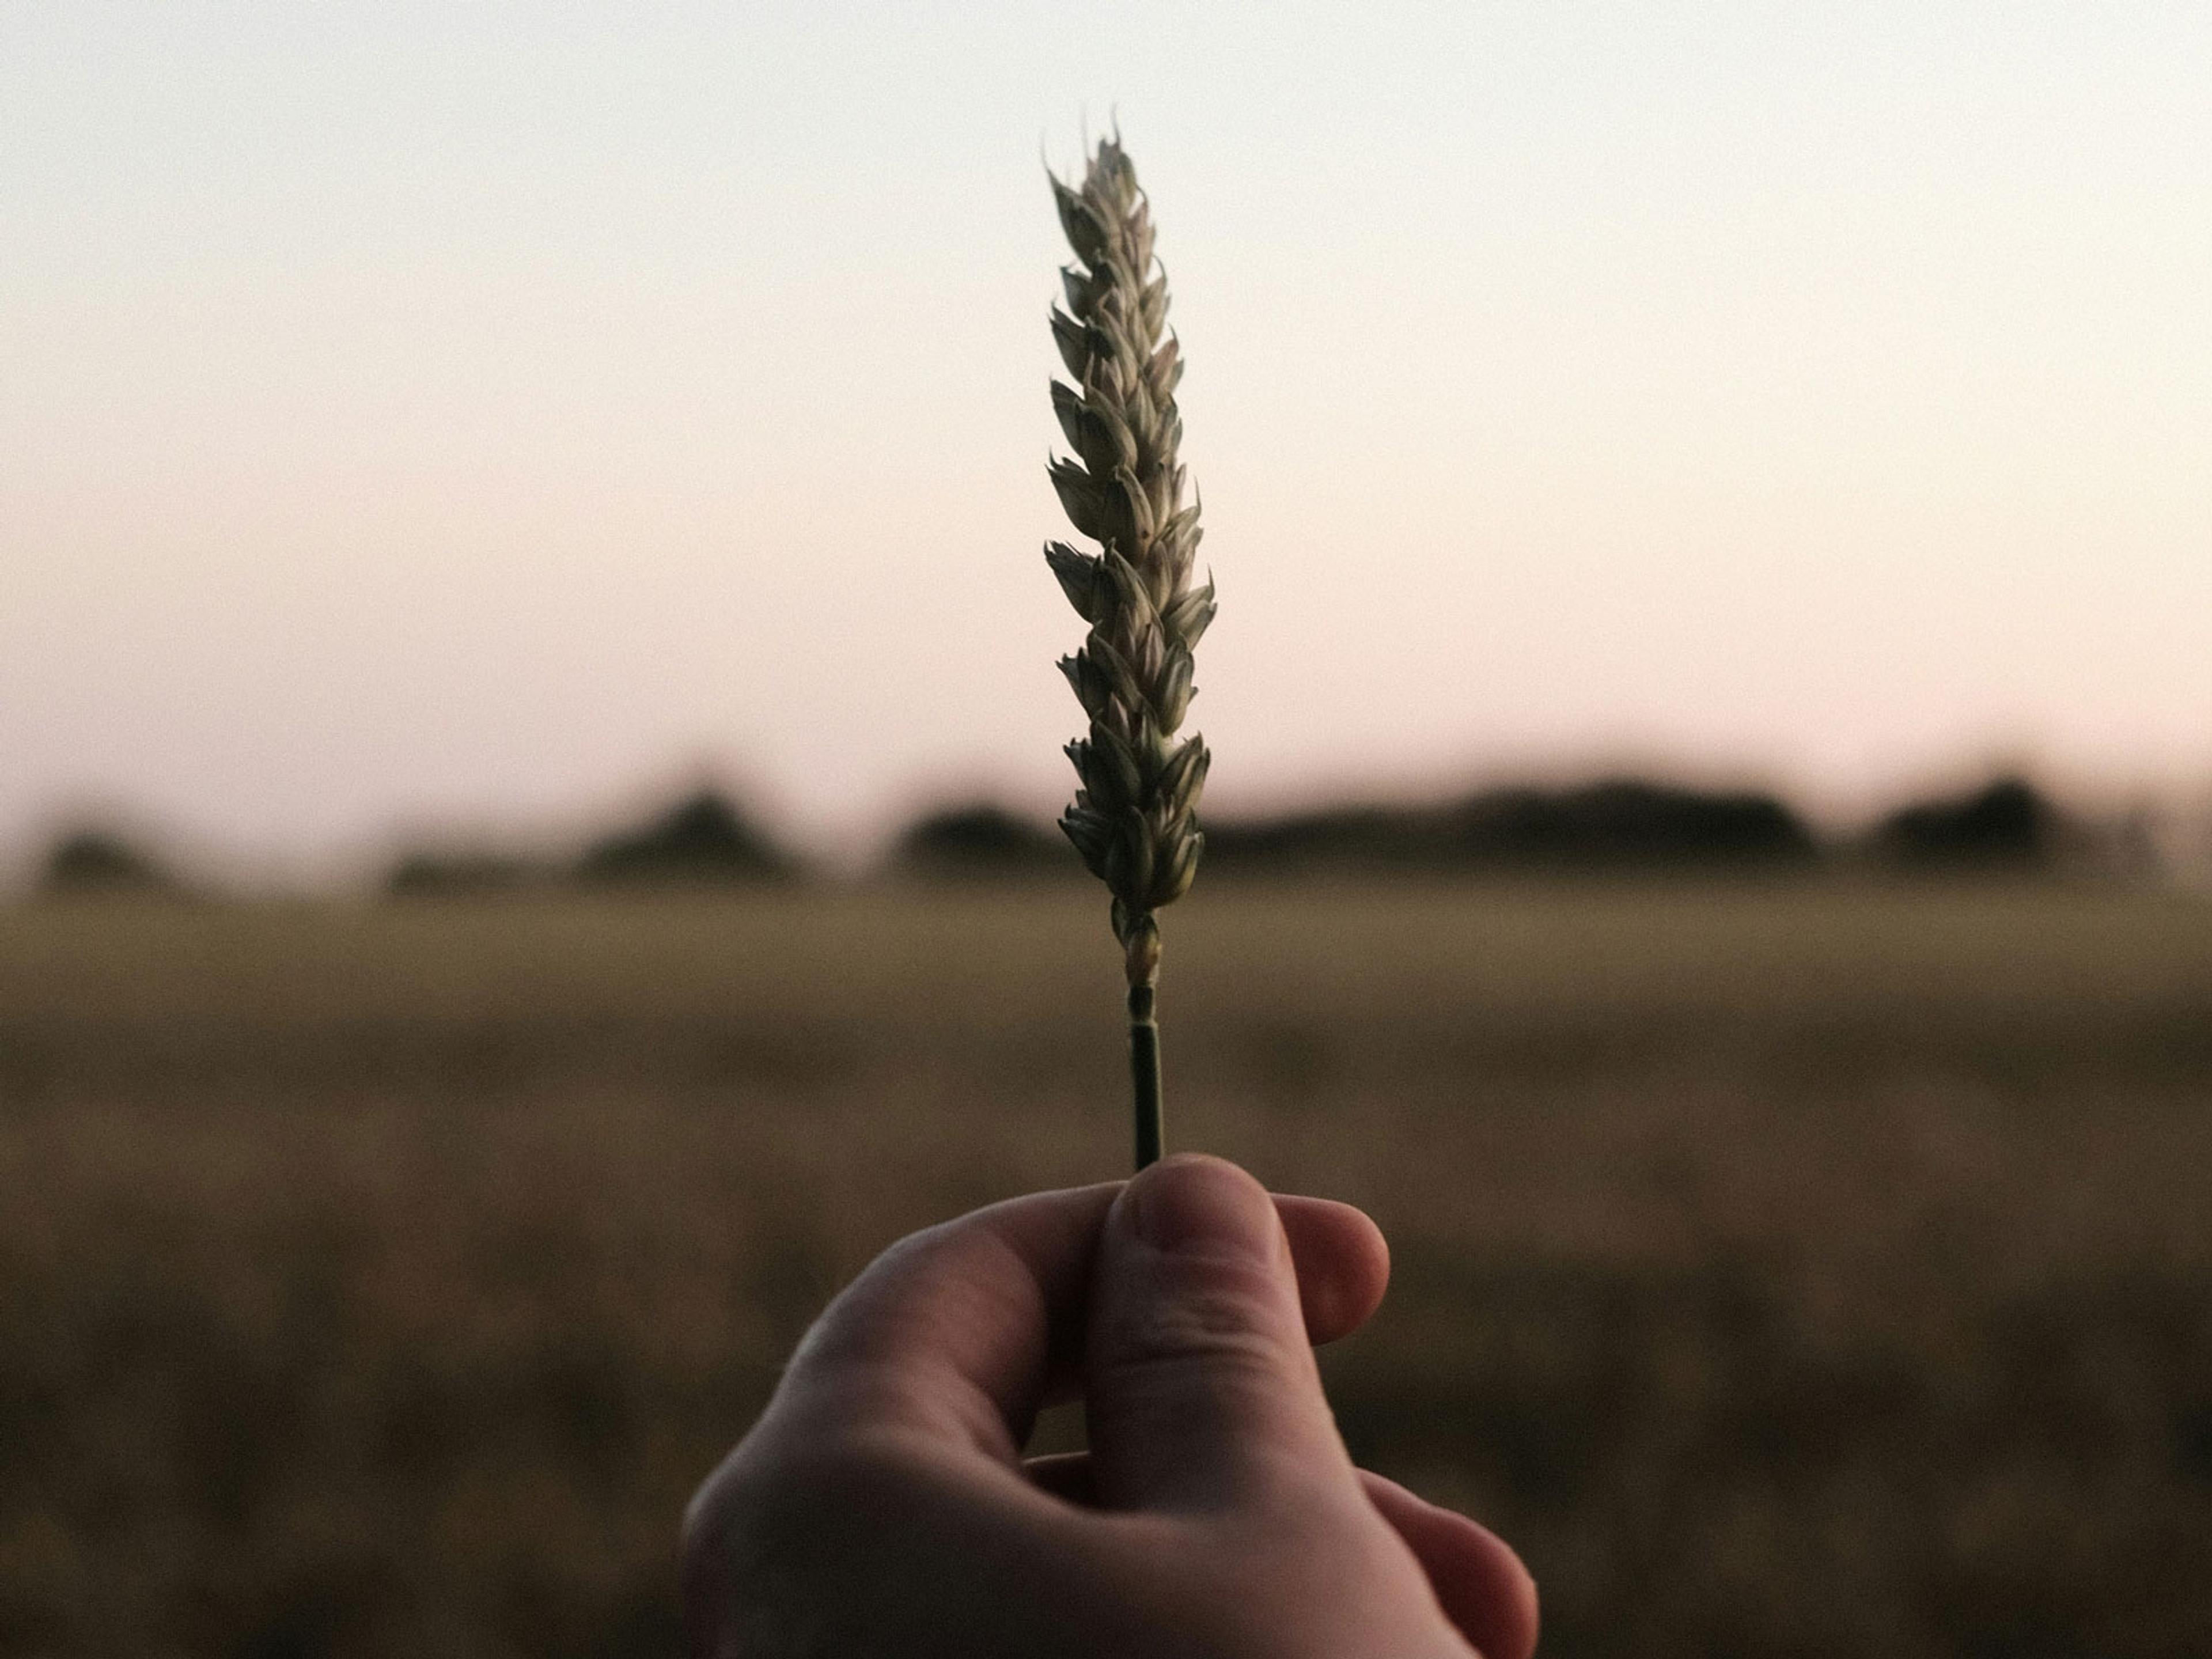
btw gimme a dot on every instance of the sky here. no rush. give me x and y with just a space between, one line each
454 418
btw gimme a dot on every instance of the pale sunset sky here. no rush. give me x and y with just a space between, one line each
427 415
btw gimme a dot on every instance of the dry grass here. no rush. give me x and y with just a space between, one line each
1790 1270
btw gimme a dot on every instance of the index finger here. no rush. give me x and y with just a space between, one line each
953 1330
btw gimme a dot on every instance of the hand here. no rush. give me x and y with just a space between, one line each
881 1506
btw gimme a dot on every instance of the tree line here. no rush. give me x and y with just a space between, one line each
1610 826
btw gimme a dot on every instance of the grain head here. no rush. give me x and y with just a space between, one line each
1135 816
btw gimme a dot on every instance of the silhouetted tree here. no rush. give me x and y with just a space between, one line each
427 873
703 837
89 860
982 839
1616 825
1625 822
2006 824
1362 838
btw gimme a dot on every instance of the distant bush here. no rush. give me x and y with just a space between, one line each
430 873
2006 824
703 838
1625 822
1348 836
982 839
1615 824
99 860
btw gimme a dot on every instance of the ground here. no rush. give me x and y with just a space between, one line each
1802 1268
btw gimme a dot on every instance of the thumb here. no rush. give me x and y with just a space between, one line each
1198 1384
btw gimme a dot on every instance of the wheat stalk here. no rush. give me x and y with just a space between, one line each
1134 819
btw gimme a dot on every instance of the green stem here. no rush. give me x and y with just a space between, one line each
1145 1072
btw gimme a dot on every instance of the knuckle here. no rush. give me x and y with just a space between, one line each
762 1491
1208 1322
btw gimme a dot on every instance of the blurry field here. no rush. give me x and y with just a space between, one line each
1792 1271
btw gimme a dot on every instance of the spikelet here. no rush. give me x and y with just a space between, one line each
1134 819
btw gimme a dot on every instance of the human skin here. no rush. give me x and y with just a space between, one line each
882 1506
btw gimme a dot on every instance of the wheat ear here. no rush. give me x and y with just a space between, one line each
1134 819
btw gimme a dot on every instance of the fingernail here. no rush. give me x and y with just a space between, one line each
1189 1205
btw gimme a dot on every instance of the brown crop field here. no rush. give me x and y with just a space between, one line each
1795 1270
